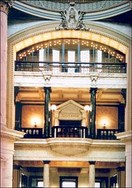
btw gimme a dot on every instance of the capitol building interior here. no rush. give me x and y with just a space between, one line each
66 93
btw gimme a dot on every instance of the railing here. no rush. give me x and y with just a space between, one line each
32 132
70 131
57 67
107 134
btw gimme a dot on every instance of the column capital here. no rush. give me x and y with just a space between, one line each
120 168
93 89
46 162
5 5
92 162
47 89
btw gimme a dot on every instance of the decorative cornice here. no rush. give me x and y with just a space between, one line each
10 133
124 136
5 5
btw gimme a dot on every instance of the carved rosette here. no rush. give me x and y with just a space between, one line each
5 5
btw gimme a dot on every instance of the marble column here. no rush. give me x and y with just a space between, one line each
16 176
121 176
47 115
93 113
128 153
46 174
4 6
91 174
128 122
126 137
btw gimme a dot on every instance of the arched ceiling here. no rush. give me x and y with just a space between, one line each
71 34
94 10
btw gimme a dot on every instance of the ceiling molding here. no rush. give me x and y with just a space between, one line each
96 14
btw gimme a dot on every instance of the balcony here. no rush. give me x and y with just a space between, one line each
57 67
70 132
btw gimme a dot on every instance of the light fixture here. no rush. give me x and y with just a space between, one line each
87 108
35 125
104 124
53 107
35 121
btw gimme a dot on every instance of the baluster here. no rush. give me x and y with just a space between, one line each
55 129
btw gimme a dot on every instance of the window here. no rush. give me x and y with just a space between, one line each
71 56
85 56
55 55
97 184
42 57
40 184
71 182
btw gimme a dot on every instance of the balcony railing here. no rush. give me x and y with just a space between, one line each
57 67
108 134
66 131
32 132
70 131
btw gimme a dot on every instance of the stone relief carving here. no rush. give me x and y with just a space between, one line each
72 19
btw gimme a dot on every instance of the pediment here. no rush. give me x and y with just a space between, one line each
68 104
70 110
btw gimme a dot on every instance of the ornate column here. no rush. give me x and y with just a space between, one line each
91 173
47 128
46 174
93 113
4 6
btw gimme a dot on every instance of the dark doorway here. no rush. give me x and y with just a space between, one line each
70 123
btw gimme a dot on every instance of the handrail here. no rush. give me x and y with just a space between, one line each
70 131
76 67
107 134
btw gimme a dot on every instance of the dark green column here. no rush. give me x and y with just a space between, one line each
121 112
93 113
18 109
18 115
121 117
47 128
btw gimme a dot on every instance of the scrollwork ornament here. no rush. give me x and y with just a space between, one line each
5 5
72 19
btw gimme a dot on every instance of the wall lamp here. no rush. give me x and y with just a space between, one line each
53 107
87 108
